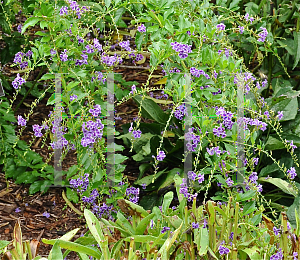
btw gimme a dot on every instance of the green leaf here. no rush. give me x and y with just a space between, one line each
107 3
116 158
202 240
167 201
3 244
56 253
249 207
245 196
141 227
297 48
30 22
72 195
35 187
281 184
123 222
145 239
151 110
252 252
76 247
96 230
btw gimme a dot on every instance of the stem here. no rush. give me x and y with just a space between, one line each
41 71
270 61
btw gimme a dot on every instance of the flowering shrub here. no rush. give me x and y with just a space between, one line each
196 119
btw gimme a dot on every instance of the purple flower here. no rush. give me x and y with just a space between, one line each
18 57
292 173
47 215
221 27
23 65
28 54
280 115
229 182
192 176
241 28
223 250
161 155
144 185
133 89
139 57
73 97
220 131
136 133
165 229
253 177
80 40
180 112
21 121
64 56
17 210
262 35
195 225
18 81
133 194
52 52
183 49
19 28
201 178
142 28
63 10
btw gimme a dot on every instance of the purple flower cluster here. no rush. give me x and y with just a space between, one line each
133 194
142 28
226 52
111 60
277 256
226 116
263 35
80 184
63 56
197 73
214 150
79 10
251 19
21 121
280 115
185 192
183 49
139 57
229 182
62 141
241 29
180 112
125 45
19 28
18 57
103 212
92 131
73 97
63 11
91 199
221 27
195 225
192 140
165 229
219 131
97 45
292 173
250 121
18 81
161 156
223 250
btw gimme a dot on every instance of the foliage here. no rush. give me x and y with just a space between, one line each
20 250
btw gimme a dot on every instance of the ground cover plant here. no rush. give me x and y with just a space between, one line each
193 112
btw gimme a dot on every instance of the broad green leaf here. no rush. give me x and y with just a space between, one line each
252 252
107 3
175 221
167 201
123 222
145 239
96 230
30 22
74 247
201 240
56 253
68 236
141 227
281 184
136 208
